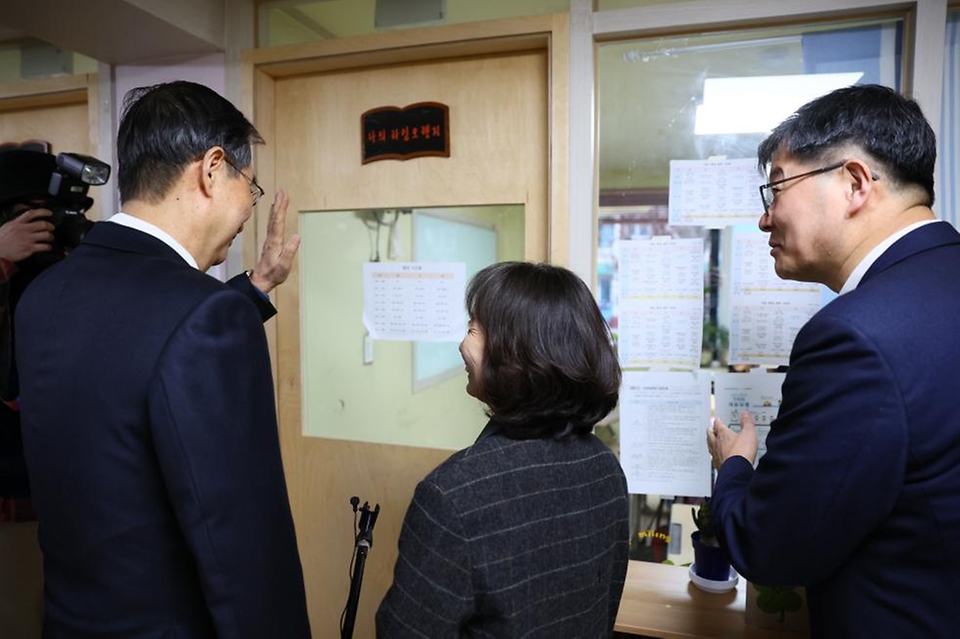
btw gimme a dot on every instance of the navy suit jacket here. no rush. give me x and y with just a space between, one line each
151 440
858 495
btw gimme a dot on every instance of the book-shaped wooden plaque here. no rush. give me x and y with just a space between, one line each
416 130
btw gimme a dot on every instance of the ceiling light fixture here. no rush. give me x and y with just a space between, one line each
759 103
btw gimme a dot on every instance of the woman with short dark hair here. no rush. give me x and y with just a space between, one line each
525 532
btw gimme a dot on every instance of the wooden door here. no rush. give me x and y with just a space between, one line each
500 127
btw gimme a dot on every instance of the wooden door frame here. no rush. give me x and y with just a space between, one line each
73 89
262 70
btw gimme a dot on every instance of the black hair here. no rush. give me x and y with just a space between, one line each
875 118
549 367
166 126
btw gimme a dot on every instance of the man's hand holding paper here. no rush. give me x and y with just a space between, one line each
724 443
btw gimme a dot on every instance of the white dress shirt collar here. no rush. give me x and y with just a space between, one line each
854 280
136 223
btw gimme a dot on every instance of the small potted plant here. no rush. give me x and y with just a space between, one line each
709 560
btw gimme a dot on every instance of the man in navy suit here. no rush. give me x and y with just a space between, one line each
858 495
147 401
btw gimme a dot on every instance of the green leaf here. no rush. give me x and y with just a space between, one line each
778 599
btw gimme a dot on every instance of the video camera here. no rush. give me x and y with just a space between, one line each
32 179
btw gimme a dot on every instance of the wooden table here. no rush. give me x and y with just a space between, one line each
660 601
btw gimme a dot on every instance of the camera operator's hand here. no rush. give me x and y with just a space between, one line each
26 234
276 258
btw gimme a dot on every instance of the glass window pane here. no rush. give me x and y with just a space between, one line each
285 22
698 98
949 153
420 384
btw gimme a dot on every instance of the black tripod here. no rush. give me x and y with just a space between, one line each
364 542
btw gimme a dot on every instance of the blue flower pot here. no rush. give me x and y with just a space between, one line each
711 562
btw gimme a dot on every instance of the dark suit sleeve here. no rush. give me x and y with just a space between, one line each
242 284
214 427
835 462
432 591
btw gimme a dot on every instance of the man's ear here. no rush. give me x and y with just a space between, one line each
861 182
212 167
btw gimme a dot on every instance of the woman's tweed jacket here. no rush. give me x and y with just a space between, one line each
513 538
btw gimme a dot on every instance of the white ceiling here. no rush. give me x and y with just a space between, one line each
120 31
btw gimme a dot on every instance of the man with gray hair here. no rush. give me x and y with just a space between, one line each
858 495
146 390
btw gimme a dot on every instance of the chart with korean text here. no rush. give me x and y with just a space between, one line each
407 301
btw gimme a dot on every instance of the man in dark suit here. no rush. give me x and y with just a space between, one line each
149 423
30 242
858 495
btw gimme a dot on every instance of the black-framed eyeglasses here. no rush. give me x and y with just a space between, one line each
256 191
769 194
